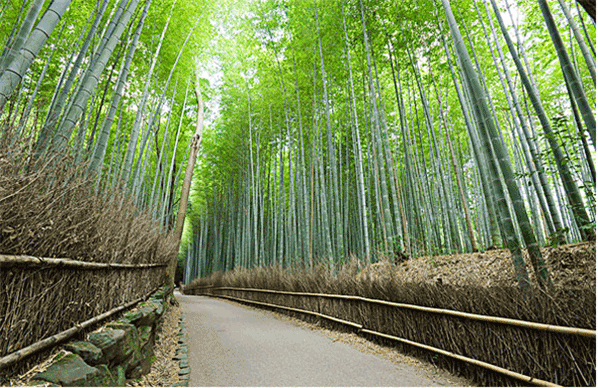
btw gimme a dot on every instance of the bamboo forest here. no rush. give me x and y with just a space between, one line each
395 129
437 154
333 129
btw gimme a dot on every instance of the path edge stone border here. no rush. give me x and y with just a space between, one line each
182 355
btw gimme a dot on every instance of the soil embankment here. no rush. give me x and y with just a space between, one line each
570 266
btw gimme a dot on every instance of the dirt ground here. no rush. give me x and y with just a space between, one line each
570 266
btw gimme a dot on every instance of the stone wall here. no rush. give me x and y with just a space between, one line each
120 350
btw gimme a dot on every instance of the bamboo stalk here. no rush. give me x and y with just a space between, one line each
485 318
515 375
12 260
40 345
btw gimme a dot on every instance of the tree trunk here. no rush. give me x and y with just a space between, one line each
22 35
102 142
90 81
195 143
571 188
489 134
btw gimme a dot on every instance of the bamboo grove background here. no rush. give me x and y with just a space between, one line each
396 129
106 85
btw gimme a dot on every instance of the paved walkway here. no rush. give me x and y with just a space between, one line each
231 345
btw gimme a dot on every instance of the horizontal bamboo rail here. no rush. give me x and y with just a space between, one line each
64 335
485 318
196 288
361 329
11 261
331 318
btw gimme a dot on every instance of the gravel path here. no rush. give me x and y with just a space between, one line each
232 345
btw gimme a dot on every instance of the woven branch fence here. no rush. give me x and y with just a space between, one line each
517 351
484 318
41 297
19 355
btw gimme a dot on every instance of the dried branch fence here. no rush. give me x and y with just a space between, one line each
434 330
484 318
45 300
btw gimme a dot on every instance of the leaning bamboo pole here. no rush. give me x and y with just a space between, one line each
64 335
29 261
361 329
478 317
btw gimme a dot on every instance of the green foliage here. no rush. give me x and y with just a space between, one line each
278 164
269 131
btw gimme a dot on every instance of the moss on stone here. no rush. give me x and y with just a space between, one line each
145 334
104 378
69 371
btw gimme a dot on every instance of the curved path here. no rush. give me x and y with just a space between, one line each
231 345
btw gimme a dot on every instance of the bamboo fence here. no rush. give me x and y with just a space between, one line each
484 318
64 335
43 299
360 328
7 261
